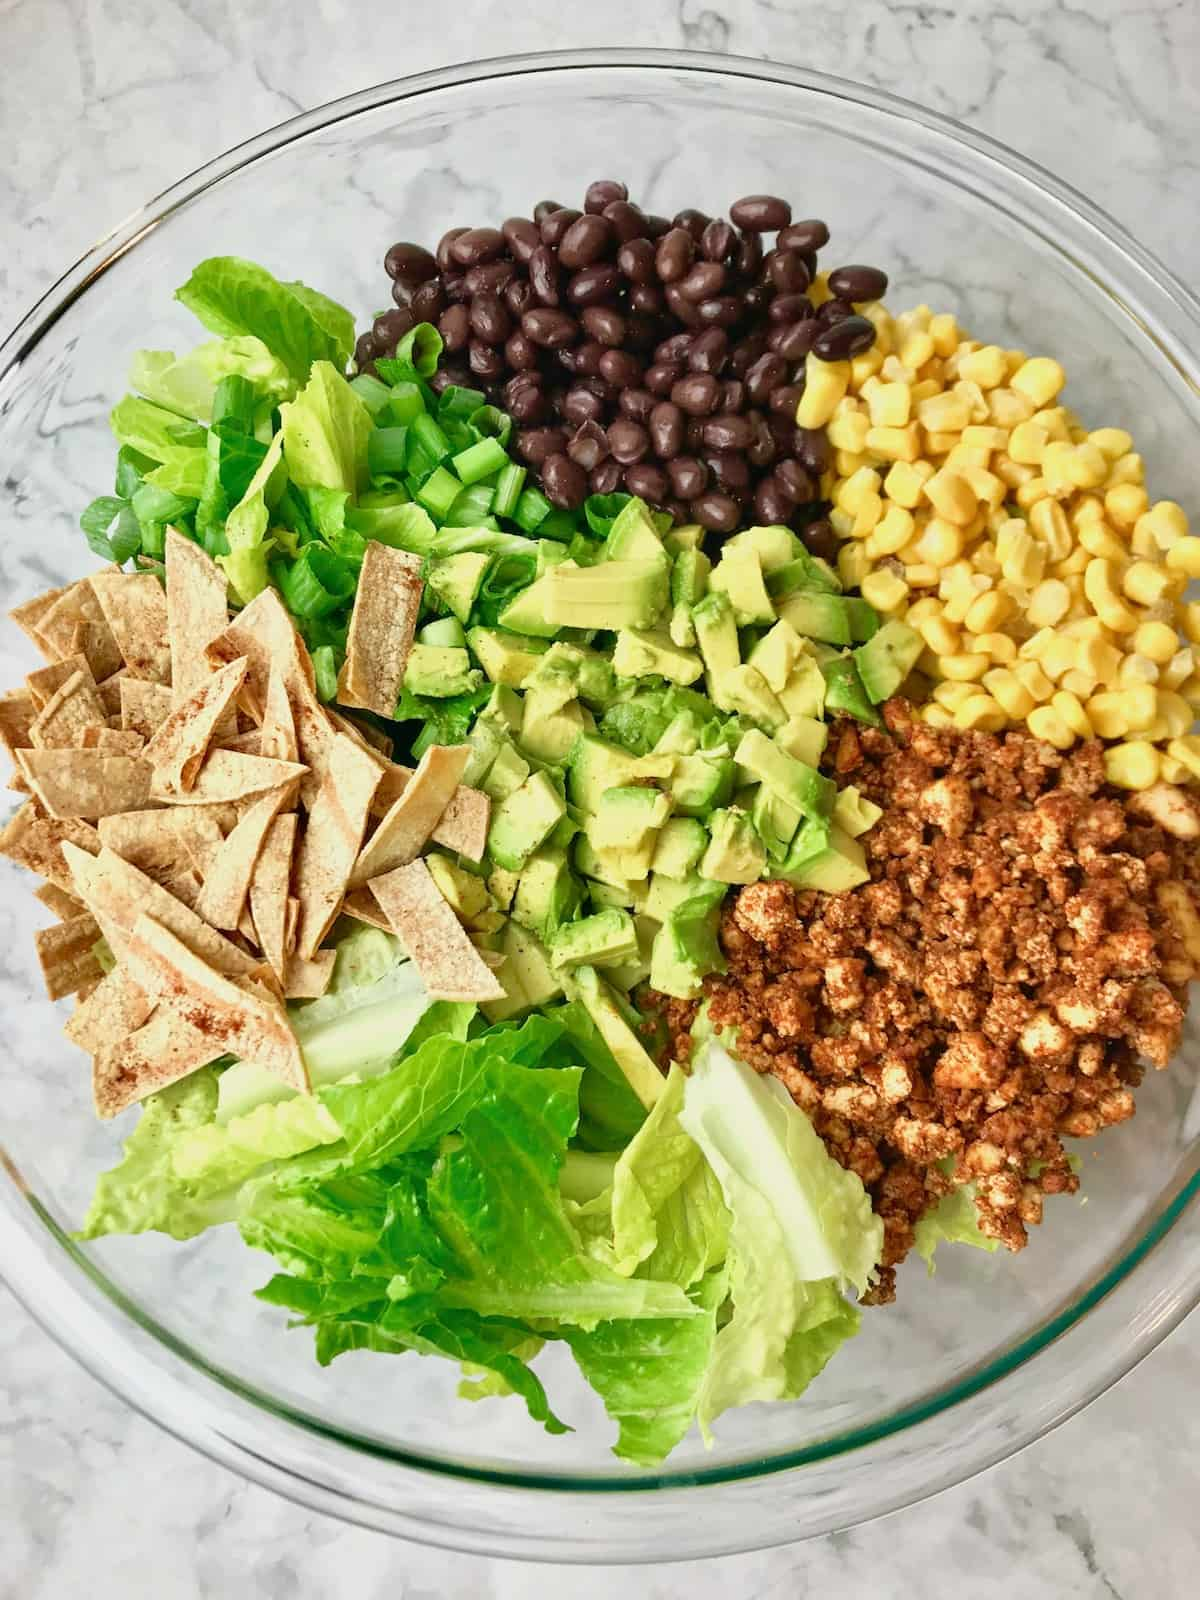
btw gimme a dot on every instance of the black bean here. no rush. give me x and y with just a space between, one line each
674 255
708 351
620 368
746 352
535 444
703 281
857 283
526 403
428 302
485 360
718 241
675 348
604 325
691 221
522 237
727 432
636 404
454 325
834 311
586 240
544 275
564 481
556 224
809 234
749 255
722 311
648 482
762 449
476 245
549 328
591 285
490 277
767 373
602 193
786 398
795 342
844 339
544 209
697 394
666 430
656 226
662 376
788 272
628 441
636 260
490 320
756 299
729 468
628 221
588 446
580 405
391 327
733 395
682 307
455 286
443 257
819 539
364 350
761 213
688 476
606 478
783 432
796 480
647 298
587 358
790 308
716 511
642 332
410 264
679 510
772 504
519 296
693 433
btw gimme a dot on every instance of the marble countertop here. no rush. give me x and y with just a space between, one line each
107 101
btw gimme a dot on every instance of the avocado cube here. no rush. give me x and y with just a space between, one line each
844 690
527 613
775 821
887 659
681 736
680 844
774 546
505 709
804 738
684 536
739 575
644 653
502 885
548 893
506 658
549 732
716 634
854 813
440 670
776 654
700 783
840 865
595 766
689 577
506 773
611 595
523 820
527 976
602 895
550 554
456 579
633 535
802 571
663 894
803 695
801 786
748 693
568 672
686 947
485 740
627 817
735 852
864 619
605 939
818 616
587 986
466 894
681 628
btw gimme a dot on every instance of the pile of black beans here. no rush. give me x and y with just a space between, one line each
661 357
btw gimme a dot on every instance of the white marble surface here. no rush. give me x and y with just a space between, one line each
106 101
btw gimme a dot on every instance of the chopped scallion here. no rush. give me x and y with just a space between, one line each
480 461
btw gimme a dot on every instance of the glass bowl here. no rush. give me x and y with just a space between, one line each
963 1370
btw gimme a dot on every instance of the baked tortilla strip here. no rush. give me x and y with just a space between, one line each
145 706
135 609
34 840
291 924
113 1009
269 885
450 966
117 893
178 748
228 777
262 633
161 843
332 840
362 730
231 865
85 783
197 611
362 905
58 901
66 954
240 1018
382 625
406 828
75 623
29 613
163 1050
44 682
308 980
242 744
17 713
277 737
70 711
114 741
463 826
110 692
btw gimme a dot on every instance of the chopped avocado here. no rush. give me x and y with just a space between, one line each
484 740
592 864
841 865
550 554
505 709
802 572
818 616
626 817
844 690
716 634
803 695
776 654
701 782
854 813
685 536
864 619
506 773
795 782
614 594
527 613
626 975
441 670
443 630
456 579
680 844
686 949
569 671
735 853
586 985
548 893
527 976
775 821
644 653
804 738
549 731
502 885
739 575
605 939
466 894
749 694
681 627
506 658
663 894
774 545
689 577
681 736
596 766
624 896
633 536
626 864
522 820
887 659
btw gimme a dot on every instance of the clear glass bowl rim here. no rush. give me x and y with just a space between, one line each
1170 314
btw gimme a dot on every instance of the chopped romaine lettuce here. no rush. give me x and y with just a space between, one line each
325 433
298 326
186 384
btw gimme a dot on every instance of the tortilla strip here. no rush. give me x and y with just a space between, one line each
404 832
85 783
160 843
464 823
228 776
95 641
291 924
278 736
114 1008
116 741
161 1052
382 625
110 692
71 709
231 866
34 840
197 611
56 900
242 744
28 616
66 954
135 608
365 732
186 886
145 706
17 712
117 893
263 633
332 840
45 682
449 964
177 749
77 608
308 980
362 905
239 1018
269 891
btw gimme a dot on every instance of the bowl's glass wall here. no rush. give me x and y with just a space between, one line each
325 208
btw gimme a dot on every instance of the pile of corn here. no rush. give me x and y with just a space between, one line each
1025 549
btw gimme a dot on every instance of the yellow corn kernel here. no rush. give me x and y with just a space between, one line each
980 712
988 488
853 564
1055 468
1136 670
936 716
890 405
986 367
864 367
1173 771
943 330
1001 647
1031 676
964 666
1124 504
1186 751
893 370
940 636
1178 670
825 383
1166 523
1027 443
1135 765
1048 603
1040 378
977 406
945 413
885 590
1099 659
1147 582
1190 690
848 431
1073 567
1115 442
916 349
1088 627
921 610
1129 469
989 612
1098 539
892 532
906 481
1079 683
893 444
1048 520
1015 360
863 482
1157 640
1189 620
1069 709
965 456
952 694
847 462
1184 556
1087 466
1044 722
1031 492
939 543
1106 713
1099 584
924 387
1058 657
952 497
1009 408
1140 705
920 575
870 509
1057 422
1009 693
1037 644
980 436
1174 710
1021 558
1011 472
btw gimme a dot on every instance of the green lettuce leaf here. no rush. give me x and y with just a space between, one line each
234 298
325 433
149 429
955 1220
186 384
246 527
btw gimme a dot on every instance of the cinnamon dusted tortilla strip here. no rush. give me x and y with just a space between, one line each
382 625
67 955
114 741
34 840
362 730
291 924
113 1009
44 682
56 900
161 843
229 776
177 750
308 980
75 623
362 905
29 613
332 840
197 611
231 865
135 609
463 826
277 737
70 711
261 634
117 893
85 783
110 692
269 891
406 828
17 713
145 706
163 1050
242 1019
449 964
242 744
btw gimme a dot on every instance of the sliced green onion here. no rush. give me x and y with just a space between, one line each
455 401
531 510
387 451
471 506
373 394
445 630
132 467
509 483
459 435
416 355
317 582
405 404
154 538
325 669
439 492
480 461
601 511
559 525
507 575
491 423
234 401
430 436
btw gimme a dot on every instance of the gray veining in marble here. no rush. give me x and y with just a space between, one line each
103 103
